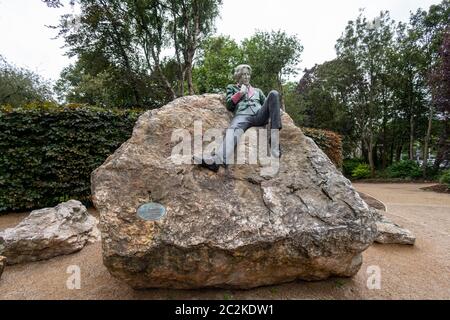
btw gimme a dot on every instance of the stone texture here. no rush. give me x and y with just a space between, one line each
388 232
2 265
49 232
391 233
234 229
372 202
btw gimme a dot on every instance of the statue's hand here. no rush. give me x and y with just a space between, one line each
244 89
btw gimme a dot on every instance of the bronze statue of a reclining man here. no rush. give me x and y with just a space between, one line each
251 108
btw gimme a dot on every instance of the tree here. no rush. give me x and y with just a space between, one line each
56 3
380 87
217 58
192 21
430 27
132 35
326 97
93 81
273 56
368 44
440 87
293 103
19 86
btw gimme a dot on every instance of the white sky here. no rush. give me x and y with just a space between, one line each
27 42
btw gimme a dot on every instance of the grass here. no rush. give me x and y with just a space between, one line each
227 296
274 290
339 283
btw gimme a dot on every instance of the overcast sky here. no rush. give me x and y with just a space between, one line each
27 42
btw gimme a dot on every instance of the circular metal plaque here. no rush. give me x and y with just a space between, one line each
151 211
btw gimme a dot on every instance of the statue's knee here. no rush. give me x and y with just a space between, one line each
274 93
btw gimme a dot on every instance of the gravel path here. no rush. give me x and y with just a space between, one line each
418 272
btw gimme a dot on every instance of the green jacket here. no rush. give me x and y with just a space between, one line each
244 105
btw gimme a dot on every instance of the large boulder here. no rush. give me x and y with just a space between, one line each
49 232
237 228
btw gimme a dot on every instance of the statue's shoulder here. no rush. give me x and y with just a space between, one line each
259 91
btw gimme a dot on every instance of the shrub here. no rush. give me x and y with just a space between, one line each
349 165
47 152
405 169
432 172
329 142
445 178
362 171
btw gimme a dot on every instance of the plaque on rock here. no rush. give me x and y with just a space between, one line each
151 211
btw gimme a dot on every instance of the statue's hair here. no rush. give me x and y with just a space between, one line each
239 69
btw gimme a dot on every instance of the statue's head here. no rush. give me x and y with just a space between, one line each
242 74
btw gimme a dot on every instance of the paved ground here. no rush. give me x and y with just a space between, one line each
419 272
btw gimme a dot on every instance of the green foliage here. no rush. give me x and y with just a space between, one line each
129 38
227 296
349 165
378 92
273 56
440 86
362 171
93 81
292 102
19 86
324 97
445 178
214 69
47 152
329 142
405 169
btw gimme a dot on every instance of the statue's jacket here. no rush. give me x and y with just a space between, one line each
248 104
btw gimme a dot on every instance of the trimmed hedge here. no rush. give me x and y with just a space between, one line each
47 152
330 142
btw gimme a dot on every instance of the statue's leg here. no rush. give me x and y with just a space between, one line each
237 127
270 110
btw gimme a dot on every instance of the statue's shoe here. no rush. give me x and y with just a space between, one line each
207 163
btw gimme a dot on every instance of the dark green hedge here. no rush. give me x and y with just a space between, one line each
47 152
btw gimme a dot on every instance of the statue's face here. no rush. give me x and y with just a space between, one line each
245 77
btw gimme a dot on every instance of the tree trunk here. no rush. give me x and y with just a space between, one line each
189 78
398 153
364 153
181 68
370 147
411 137
182 77
391 153
427 142
443 152
163 77
384 149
